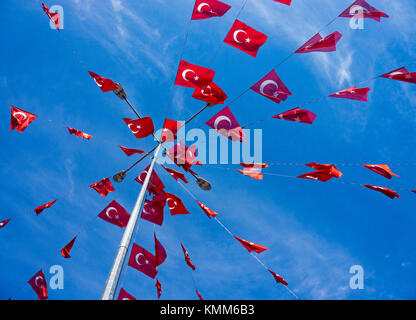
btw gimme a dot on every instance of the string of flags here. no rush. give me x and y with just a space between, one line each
200 79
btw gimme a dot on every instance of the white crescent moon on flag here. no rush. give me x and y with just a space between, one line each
207 94
221 118
22 113
107 212
266 83
132 129
100 85
137 259
236 34
175 203
36 281
185 72
204 4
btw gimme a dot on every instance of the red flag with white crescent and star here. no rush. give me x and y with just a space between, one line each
212 93
183 156
187 259
160 252
79 133
66 250
153 212
245 38
226 124
319 44
175 205
20 119
193 76
382 169
54 16
142 260
129 152
324 172
386 191
205 9
141 128
103 83
176 174
158 288
361 9
170 128
332 169
103 187
352 93
124 295
155 184
38 284
272 87
401 74
278 278
4 222
250 246
115 214
297 115
39 209
210 213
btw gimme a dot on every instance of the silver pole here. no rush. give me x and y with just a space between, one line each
114 276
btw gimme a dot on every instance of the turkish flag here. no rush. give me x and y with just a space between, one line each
158 288
65 251
297 115
278 278
227 125
245 38
352 93
115 214
170 128
187 259
253 166
79 133
250 246
153 212
386 191
143 260
54 16
284 1
155 184
182 155
205 9
129 152
39 209
210 213
401 74
160 252
329 167
141 128
103 187
272 87
4 222
382 169
176 174
361 9
175 205
325 172
103 83
251 174
211 94
193 76
20 119
319 44
38 284
199 295
124 295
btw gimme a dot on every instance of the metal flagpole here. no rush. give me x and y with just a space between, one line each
114 276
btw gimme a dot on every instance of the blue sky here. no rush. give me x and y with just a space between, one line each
315 231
